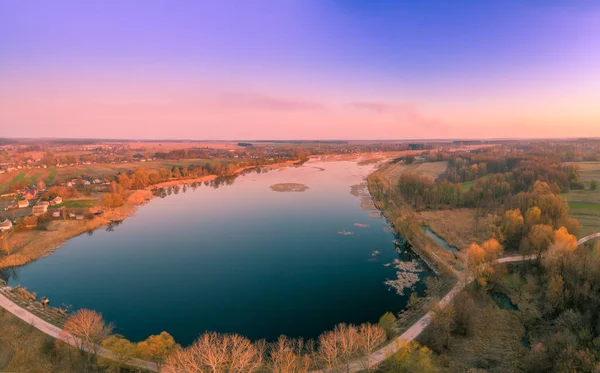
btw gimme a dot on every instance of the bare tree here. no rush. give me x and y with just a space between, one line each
371 336
329 350
216 353
287 356
349 341
87 329
339 346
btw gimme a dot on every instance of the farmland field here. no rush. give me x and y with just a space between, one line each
584 205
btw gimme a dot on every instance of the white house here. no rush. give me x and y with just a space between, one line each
39 210
6 225
56 201
23 204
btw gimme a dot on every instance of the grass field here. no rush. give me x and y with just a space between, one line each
584 205
459 227
466 186
429 169
81 203
589 171
52 172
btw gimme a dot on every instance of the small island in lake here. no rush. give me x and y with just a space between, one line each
289 187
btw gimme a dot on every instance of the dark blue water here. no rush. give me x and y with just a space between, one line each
240 258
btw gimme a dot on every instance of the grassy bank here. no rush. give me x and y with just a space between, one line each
382 187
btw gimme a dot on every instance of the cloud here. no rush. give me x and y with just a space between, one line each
251 100
403 112
377 107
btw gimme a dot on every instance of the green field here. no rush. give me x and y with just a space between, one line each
584 205
589 171
81 203
20 176
467 185
51 176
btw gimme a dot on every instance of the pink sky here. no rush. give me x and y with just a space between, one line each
167 106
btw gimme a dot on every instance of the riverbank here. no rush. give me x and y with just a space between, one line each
382 188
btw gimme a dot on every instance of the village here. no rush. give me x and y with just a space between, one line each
24 209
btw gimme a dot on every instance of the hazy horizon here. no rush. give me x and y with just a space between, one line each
351 70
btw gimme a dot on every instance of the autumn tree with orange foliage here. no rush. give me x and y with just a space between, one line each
512 228
478 259
157 348
564 244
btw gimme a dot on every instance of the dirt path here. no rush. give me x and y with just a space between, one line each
56 332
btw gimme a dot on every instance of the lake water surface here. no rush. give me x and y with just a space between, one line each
240 258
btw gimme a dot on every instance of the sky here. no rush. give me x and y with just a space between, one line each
300 69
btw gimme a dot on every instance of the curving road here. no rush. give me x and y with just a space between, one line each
355 366
588 238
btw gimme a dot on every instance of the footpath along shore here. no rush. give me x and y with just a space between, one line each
356 365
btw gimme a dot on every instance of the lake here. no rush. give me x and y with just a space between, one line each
239 258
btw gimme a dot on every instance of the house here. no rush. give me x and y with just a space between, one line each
97 181
23 204
43 203
71 215
39 210
56 214
6 225
79 217
85 182
56 201
29 194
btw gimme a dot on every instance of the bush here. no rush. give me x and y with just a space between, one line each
387 322
577 185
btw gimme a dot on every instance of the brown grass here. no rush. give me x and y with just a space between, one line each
30 245
458 226
429 169
185 181
139 197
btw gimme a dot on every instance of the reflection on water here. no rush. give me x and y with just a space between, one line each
235 257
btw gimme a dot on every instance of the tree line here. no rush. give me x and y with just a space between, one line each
225 353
